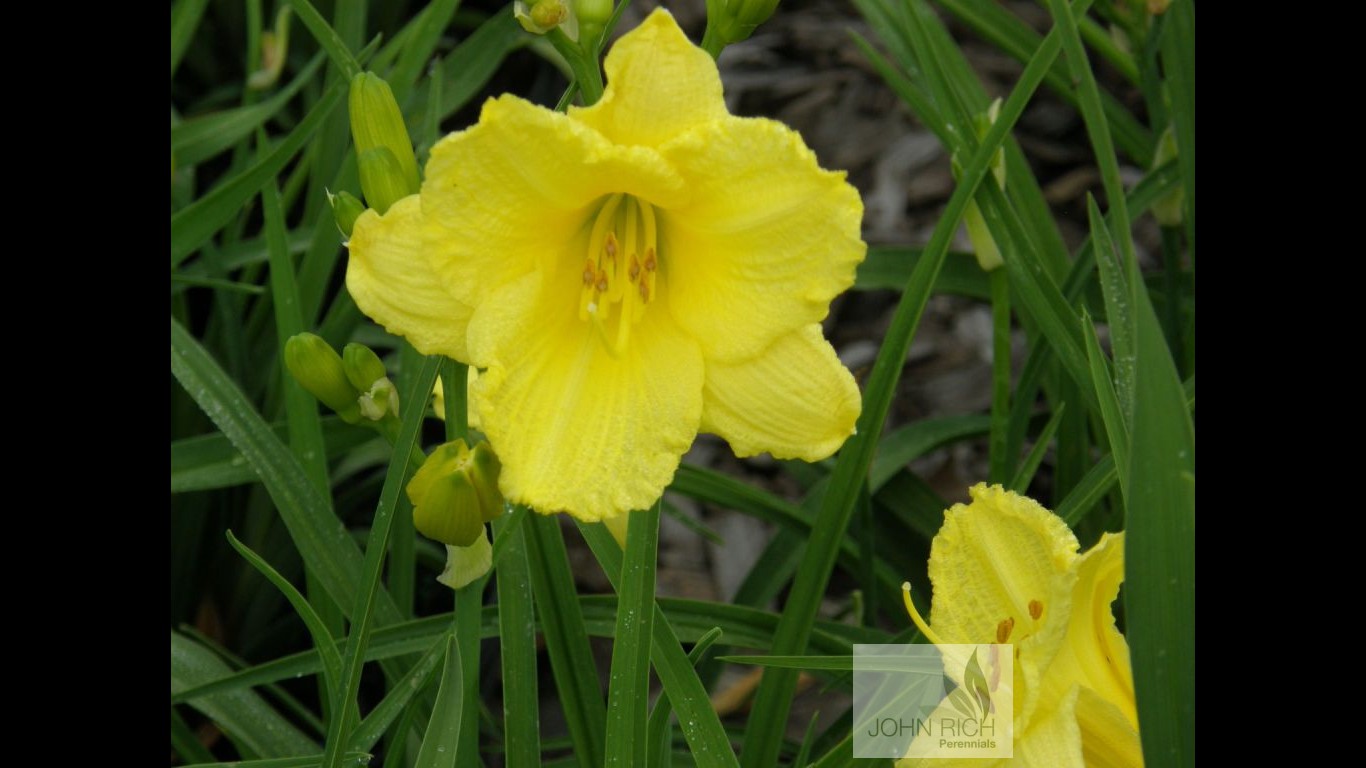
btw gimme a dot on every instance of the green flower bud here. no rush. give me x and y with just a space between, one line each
1168 210
377 122
363 367
381 179
540 16
318 368
455 492
346 208
465 564
983 244
736 20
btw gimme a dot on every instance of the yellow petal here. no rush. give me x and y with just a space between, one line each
1004 558
767 239
658 85
392 281
510 191
1095 655
1053 739
577 429
795 400
1108 737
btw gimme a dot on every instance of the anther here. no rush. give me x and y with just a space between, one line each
602 281
610 247
644 291
1035 609
590 272
635 268
650 263
1003 629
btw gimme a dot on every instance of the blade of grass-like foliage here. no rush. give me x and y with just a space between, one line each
888 267
913 503
185 16
1025 474
660 738
566 640
1097 127
350 759
193 225
465 70
763 734
1117 432
420 45
628 693
378 721
327 38
440 745
217 283
1114 287
1002 460
200 138
321 540
185 744
1015 38
1178 62
305 428
243 715
469 602
690 620
808 740
699 721
716 488
367 597
905 444
207 462
322 638
517 630
1159 546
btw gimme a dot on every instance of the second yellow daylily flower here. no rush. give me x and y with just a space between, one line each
1006 570
624 276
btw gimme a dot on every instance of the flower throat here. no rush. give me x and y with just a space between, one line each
620 270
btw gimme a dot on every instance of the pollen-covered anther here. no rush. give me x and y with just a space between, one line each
1035 609
651 264
1003 629
635 268
609 248
590 273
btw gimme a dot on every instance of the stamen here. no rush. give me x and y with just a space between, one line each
1003 629
601 284
1035 609
635 268
589 272
915 615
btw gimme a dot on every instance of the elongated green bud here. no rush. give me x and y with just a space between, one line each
346 208
983 244
381 179
735 20
455 492
377 122
318 368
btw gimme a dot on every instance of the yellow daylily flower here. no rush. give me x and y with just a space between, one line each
1006 570
624 276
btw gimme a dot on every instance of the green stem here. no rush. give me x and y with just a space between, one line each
586 72
1000 377
712 42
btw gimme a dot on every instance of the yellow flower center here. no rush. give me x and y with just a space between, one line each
620 270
